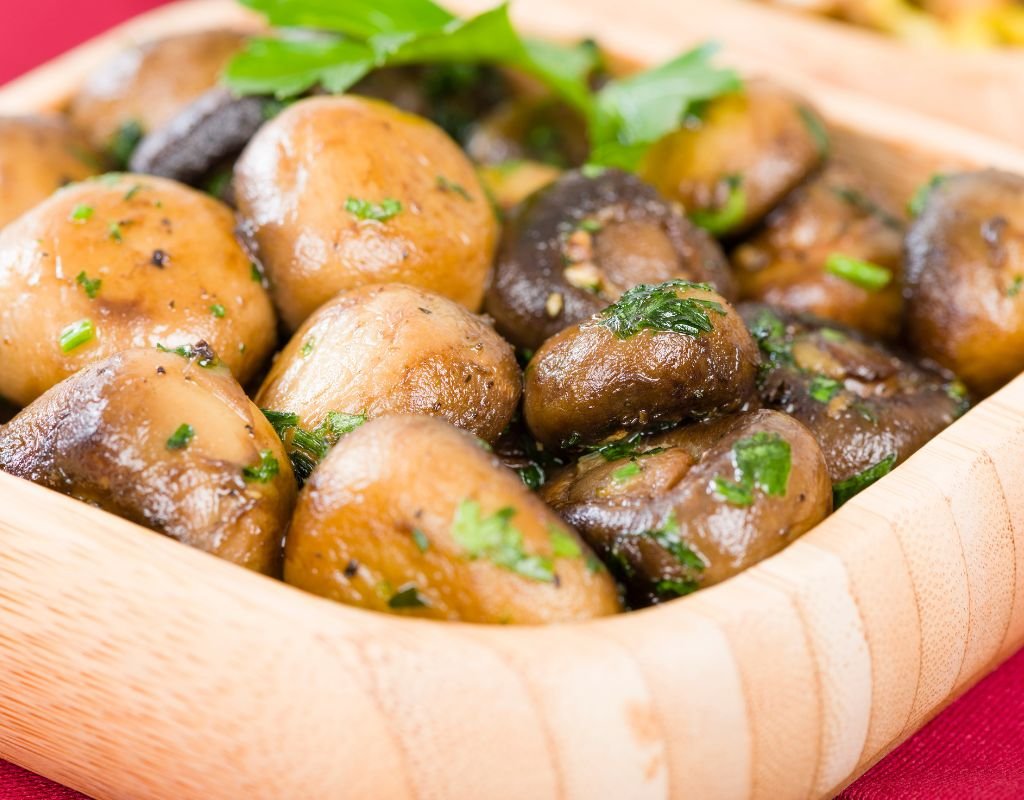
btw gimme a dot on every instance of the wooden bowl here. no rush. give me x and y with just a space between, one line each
133 667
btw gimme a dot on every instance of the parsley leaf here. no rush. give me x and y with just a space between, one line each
265 470
90 285
380 212
668 537
288 67
823 388
626 447
769 331
495 538
407 597
762 461
563 545
847 488
659 308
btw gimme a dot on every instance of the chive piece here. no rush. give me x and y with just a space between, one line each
659 308
407 597
624 473
1016 286
366 210
134 190
847 488
446 185
181 437
264 471
200 352
920 197
339 424
114 231
90 285
421 540
860 273
723 220
496 539
76 334
733 492
816 128
307 347
81 213
563 545
281 421
254 273
866 205
626 447
669 588
823 388
218 310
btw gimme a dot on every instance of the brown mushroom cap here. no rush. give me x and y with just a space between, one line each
340 192
143 260
654 512
574 247
410 515
39 155
110 435
762 141
865 404
148 85
837 213
613 372
396 349
965 278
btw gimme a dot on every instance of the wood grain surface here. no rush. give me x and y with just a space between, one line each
132 667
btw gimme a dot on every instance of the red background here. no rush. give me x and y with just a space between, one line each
973 751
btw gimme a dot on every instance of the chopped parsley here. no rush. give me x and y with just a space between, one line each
724 219
920 197
379 212
659 308
254 272
200 352
823 388
81 213
134 190
589 225
339 424
76 334
1015 286
769 331
446 185
668 537
181 438
845 489
407 597
532 475
668 588
496 539
761 462
624 473
307 347
90 285
626 447
218 310
421 540
264 471
281 421
563 545
114 232
306 449
124 142
957 392
864 274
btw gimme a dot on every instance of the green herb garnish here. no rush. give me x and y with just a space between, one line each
845 489
254 273
114 232
421 540
282 421
659 308
866 205
563 545
532 475
265 470
761 462
124 142
919 199
823 388
668 537
76 334
1015 286
307 347
81 213
339 424
306 449
496 539
668 588
624 473
380 212
218 310
181 438
721 221
407 597
957 392
200 352
623 118
446 185
90 285
860 273
769 331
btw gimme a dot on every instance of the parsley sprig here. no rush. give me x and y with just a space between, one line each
660 308
623 118
762 461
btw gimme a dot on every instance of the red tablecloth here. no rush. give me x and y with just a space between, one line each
973 751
